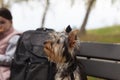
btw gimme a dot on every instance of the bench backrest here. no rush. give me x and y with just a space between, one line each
100 59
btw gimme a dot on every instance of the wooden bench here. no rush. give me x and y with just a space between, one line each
100 59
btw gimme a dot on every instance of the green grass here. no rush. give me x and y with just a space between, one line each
94 78
113 30
107 34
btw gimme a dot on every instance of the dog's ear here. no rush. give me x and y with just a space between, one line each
72 37
68 29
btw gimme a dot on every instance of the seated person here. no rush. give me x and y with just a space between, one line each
8 40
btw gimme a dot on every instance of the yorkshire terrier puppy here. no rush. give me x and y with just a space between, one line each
60 50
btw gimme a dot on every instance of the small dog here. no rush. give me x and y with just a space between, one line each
60 50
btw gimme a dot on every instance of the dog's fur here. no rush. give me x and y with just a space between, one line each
60 50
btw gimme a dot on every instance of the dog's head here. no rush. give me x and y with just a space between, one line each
61 47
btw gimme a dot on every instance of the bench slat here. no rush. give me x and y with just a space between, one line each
99 50
107 70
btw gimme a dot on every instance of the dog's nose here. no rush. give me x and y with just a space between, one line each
45 42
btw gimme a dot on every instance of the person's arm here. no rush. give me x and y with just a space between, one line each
7 57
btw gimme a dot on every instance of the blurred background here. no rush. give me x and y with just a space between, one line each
57 14
97 20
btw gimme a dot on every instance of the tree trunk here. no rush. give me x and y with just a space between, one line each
82 29
1 3
45 13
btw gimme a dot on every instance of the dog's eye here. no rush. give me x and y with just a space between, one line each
58 41
75 37
51 43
